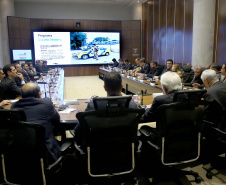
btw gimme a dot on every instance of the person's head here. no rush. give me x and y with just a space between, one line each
2 74
39 62
176 68
170 81
198 70
169 63
223 69
188 64
142 62
24 66
153 64
126 61
208 66
31 90
9 71
44 62
208 77
30 65
113 83
137 61
18 67
216 68
114 60
120 61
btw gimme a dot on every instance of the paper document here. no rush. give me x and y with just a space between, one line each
68 110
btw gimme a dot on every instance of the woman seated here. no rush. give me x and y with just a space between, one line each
176 68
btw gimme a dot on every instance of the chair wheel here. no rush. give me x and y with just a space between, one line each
198 179
209 175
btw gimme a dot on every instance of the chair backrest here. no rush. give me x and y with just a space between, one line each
22 146
110 136
2 93
191 97
179 127
111 102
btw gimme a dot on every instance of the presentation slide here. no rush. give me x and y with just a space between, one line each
19 54
76 48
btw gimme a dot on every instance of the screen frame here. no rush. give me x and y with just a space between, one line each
12 58
60 30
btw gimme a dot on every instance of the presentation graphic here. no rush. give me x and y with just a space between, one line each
22 55
65 48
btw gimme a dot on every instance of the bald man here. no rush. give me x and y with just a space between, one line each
41 111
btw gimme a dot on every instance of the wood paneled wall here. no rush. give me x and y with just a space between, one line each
20 36
219 54
167 27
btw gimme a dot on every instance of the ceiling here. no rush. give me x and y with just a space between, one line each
115 2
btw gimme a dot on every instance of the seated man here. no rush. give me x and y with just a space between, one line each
196 81
40 111
168 67
216 95
113 87
26 74
217 69
45 68
155 70
115 62
127 65
11 90
145 67
19 79
38 67
121 64
170 82
2 74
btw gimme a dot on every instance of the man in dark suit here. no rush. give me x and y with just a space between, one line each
28 77
19 79
155 70
38 67
145 67
45 67
168 67
113 87
121 64
115 62
196 81
216 96
2 74
40 111
170 82
9 86
127 65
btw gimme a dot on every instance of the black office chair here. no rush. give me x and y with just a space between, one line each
2 93
23 151
111 102
110 140
178 137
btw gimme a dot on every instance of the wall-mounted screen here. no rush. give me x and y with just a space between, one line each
21 54
76 48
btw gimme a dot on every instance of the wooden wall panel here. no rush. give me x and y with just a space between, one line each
188 34
20 36
220 33
167 30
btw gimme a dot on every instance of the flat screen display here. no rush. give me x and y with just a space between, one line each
76 48
21 54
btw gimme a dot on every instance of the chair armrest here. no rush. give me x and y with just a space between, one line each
56 166
153 145
66 146
78 148
68 124
145 130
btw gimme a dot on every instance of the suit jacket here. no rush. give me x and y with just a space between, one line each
145 69
41 111
164 70
39 69
45 69
216 111
150 114
10 88
78 129
26 76
155 71
120 66
127 67
115 64
195 80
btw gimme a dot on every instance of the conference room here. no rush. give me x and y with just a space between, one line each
79 39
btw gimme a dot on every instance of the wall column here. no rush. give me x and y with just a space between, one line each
203 32
6 9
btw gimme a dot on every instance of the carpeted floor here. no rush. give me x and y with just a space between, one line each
87 86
